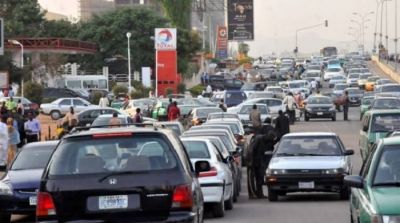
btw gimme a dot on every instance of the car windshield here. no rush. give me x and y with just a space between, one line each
203 113
248 86
388 168
33 158
390 88
313 68
101 154
275 90
364 77
297 85
385 122
234 127
309 145
261 95
222 115
354 76
319 100
103 121
372 79
340 87
196 149
367 101
386 103
246 109
236 95
337 78
312 74
333 70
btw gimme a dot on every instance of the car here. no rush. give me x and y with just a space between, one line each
222 116
51 94
250 88
365 104
273 104
261 94
382 82
159 109
102 121
302 86
393 89
276 90
115 174
370 83
385 103
319 107
330 72
19 184
308 162
244 113
363 79
216 82
339 88
28 105
144 104
352 79
337 79
233 84
312 74
235 125
355 95
230 98
334 64
375 125
216 184
61 106
176 127
199 115
87 116
374 192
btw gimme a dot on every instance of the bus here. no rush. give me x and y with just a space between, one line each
329 51
83 82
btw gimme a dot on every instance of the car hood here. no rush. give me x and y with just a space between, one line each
307 162
21 179
319 106
386 200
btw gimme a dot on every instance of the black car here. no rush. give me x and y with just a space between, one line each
52 94
319 107
19 184
355 96
233 84
217 82
121 175
87 116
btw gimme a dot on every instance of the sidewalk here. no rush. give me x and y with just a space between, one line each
388 69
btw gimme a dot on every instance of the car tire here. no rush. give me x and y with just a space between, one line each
229 202
5 217
218 209
272 195
306 118
345 193
55 115
334 118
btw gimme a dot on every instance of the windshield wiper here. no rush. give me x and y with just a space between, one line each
120 173
395 184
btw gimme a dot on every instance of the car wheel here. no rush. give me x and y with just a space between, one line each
272 195
218 209
345 193
229 203
334 118
55 115
306 118
4 217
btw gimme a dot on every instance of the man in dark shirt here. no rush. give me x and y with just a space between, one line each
282 125
346 103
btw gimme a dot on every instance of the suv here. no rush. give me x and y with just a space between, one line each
230 98
115 174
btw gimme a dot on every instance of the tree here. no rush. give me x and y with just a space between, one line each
244 48
178 11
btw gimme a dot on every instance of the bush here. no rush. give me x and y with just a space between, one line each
120 90
96 98
136 94
181 88
197 90
33 91
169 91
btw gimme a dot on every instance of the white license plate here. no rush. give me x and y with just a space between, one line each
320 113
33 201
306 185
113 202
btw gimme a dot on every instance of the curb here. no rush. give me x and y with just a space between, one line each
387 69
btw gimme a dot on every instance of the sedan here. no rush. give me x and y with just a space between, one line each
375 192
86 117
355 96
337 79
103 120
61 106
308 162
20 183
28 105
319 107
245 110
199 115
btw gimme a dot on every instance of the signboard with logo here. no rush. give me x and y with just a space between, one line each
240 20
165 39
167 71
222 42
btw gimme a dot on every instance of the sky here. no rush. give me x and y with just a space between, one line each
276 22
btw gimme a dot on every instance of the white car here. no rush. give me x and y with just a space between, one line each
245 109
331 72
273 104
216 184
338 79
352 79
302 86
339 88
61 106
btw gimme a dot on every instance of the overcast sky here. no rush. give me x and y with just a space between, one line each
277 20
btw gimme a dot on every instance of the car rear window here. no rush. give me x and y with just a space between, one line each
197 149
203 113
236 95
385 122
309 145
33 158
102 154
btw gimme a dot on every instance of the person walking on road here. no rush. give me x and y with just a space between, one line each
32 129
290 107
71 119
346 103
255 118
282 126
104 103
222 105
138 116
3 143
13 140
174 112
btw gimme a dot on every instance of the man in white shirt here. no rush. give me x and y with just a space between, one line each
290 103
3 143
32 129
103 103
314 85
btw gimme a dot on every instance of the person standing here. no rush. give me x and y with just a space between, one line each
290 107
32 129
71 119
138 116
174 112
314 85
282 126
11 105
255 118
20 107
209 91
114 122
346 104
13 140
11 92
103 103
3 142
222 105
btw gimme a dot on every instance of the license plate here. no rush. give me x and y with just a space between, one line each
320 113
113 202
33 201
306 185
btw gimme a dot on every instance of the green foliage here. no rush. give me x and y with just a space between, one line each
181 88
96 98
33 91
48 100
136 94
197 90
120 90
244 48
169 91
187 45
178 11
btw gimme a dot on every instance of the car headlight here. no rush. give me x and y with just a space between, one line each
333 171
390 219
5 189
309 109
275 171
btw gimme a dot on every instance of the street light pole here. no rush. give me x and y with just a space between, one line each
306 28
16 42
376 24
387 36
395 36
128 35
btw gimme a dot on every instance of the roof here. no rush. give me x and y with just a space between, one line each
391 140
310 134
195 139
383 111
128 129
111 115
43 143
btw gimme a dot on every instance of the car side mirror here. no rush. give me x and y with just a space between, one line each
349 152
202 166
354 181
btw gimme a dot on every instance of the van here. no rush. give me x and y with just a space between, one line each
231 98
376 124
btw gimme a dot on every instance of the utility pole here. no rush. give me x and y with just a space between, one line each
395 37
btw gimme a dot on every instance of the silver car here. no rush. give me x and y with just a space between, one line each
61 106
244 113
305 162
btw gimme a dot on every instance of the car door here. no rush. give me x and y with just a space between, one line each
363 141
79 105
65 105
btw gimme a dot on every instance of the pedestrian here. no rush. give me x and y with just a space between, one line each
290 107
169 105
314 85
1 93
222 105
282 126
13 140
3 111
151 94
346 103
174 112
114 122
209 90
138 116
3 143
19 118
203 78
103 102
267 126
20 107
255 118
11 92
32 129
71 119
11 104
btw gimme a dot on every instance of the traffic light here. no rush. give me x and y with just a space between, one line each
1 37
326 23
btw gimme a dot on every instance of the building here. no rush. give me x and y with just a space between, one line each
55 16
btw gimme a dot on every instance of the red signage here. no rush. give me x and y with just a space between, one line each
222 42
167 71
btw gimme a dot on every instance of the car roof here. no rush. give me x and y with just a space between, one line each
195 139
116 131
311 134
391 141
383 111
34 145
110 116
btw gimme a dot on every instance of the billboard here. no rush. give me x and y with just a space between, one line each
165 39
240 20
222 42
167 71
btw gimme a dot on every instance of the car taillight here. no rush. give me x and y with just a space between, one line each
45 205
182 197
211 173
